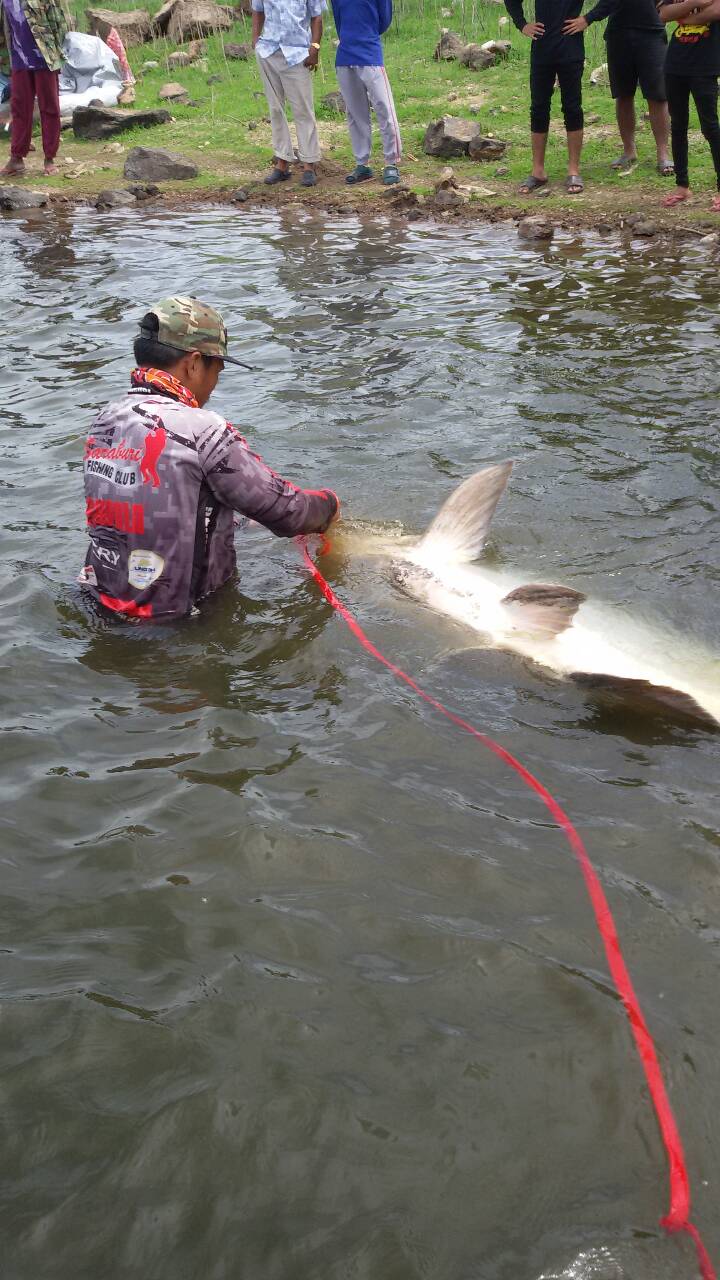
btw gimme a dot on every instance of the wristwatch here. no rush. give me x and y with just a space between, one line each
315 45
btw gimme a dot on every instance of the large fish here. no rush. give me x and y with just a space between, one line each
546 623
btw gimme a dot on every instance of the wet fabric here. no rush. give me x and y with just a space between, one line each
162 483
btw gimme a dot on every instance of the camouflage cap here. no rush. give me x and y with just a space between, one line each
191 325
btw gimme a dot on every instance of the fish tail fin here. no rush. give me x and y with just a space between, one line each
459 530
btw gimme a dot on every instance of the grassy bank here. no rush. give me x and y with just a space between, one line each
228 135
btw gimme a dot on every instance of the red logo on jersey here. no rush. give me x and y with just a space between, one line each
155 442
127 517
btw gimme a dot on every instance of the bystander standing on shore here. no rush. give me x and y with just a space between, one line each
364 84
31 39
286 36
556 54
636 48
692 68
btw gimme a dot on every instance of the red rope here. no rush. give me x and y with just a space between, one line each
678 1216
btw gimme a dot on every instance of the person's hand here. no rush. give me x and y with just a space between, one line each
311 62
573 26
534 30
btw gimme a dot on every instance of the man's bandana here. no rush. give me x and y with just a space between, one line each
157 380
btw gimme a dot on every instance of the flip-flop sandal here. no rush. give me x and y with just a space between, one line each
574 184
623 161
672 201
666 170
531 184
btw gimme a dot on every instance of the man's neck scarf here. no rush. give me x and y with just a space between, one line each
164 384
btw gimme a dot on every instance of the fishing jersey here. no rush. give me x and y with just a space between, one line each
162 482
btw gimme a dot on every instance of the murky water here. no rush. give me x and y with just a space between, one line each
296 982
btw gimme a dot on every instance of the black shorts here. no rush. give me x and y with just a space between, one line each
542 84
637 57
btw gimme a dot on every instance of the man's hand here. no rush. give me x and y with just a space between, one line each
534 30
573 26
311 62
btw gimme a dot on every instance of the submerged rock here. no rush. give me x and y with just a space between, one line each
535 229
103 122
450 136
151 164
646 227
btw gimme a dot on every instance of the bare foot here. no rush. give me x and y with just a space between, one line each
715 204
676 197
13 169
50 168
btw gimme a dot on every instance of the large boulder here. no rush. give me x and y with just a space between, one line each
20 198
486 149
151 164
104 122
450 137
193 19
449 46
133 27
475 58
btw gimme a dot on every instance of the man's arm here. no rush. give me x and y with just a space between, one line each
258 20
316 30
603 9
384 10
240 479
533 30
676 12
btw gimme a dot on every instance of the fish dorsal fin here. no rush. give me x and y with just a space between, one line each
646 696
460 528
543 607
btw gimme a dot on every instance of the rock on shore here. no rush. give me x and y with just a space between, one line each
151 164
104 122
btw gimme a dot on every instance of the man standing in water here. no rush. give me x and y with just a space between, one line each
31 39
164 476
555 54
636 48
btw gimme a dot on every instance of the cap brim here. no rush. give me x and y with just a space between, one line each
240 363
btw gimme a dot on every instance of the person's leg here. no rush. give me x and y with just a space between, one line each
22 101
651 51
542 84
357 107
570 77
660 125
705 97
678 97
381 100
298 85
622 73
48 96
274 88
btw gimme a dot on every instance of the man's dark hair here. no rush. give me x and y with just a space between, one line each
149 353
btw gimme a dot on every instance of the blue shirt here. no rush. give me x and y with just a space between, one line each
359 24
287 27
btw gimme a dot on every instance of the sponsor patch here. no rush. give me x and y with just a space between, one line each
87 576
144 568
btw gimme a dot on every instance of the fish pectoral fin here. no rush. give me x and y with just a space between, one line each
646 696
543 606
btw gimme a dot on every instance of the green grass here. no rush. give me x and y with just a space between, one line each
217 136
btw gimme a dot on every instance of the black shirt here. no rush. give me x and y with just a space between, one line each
553 47
694 49
624 15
